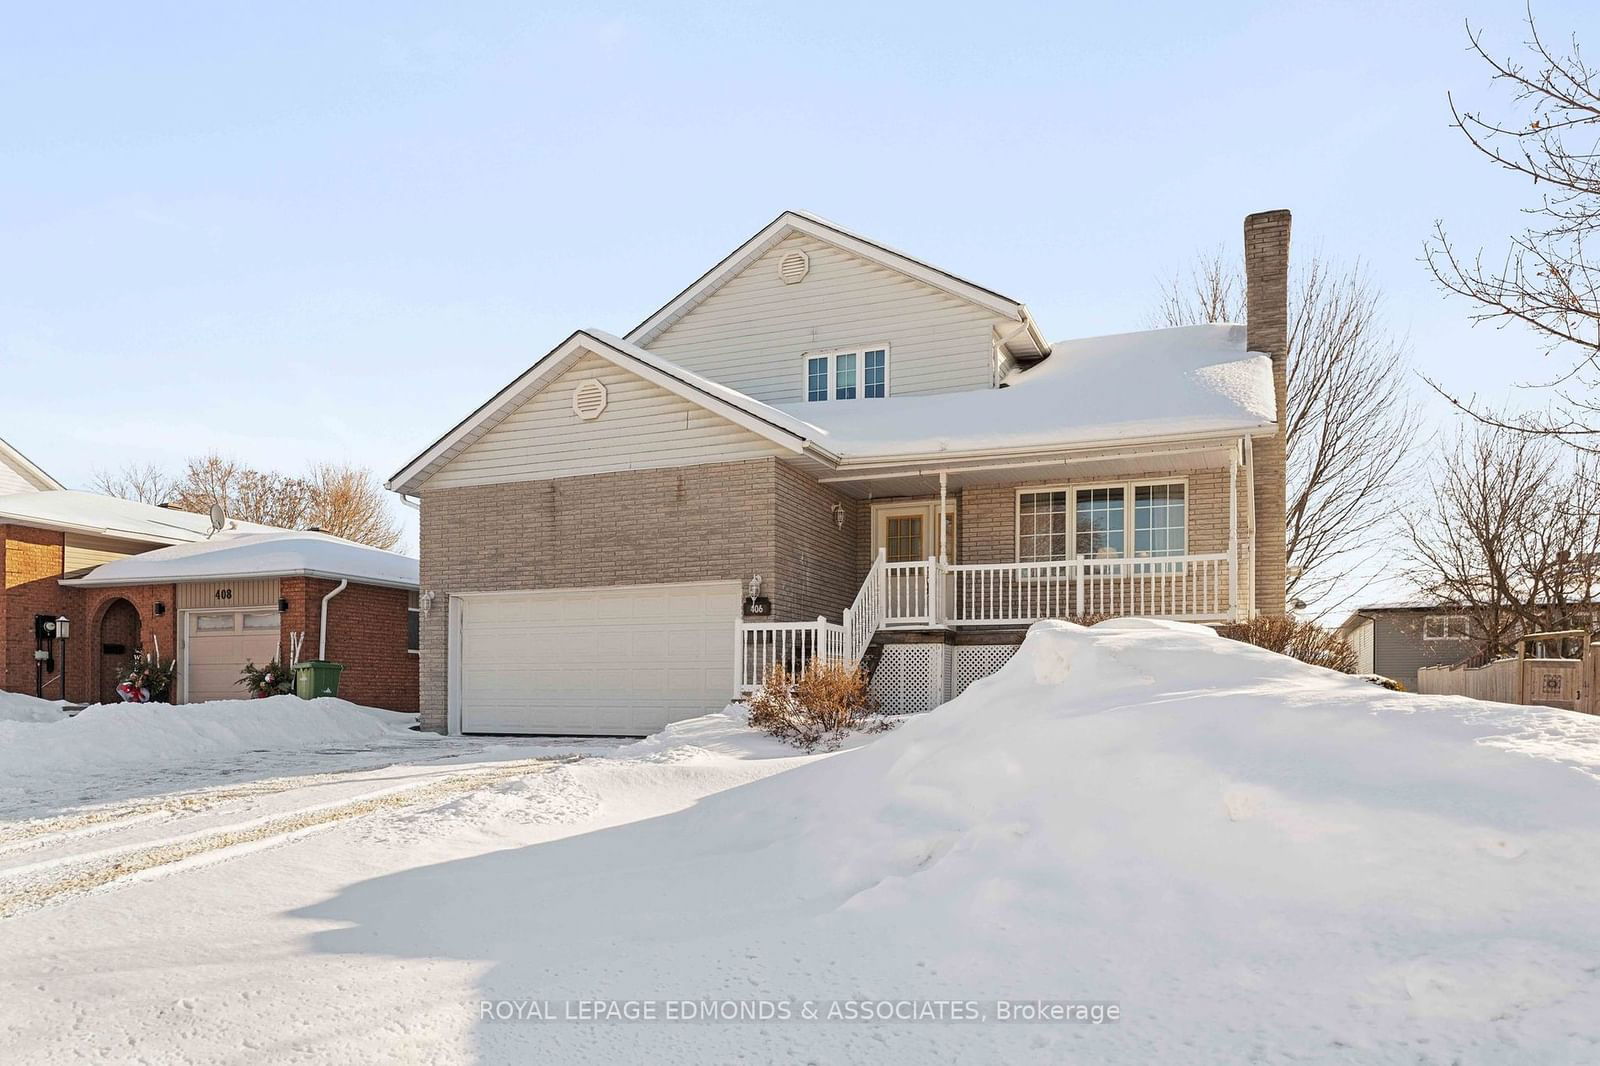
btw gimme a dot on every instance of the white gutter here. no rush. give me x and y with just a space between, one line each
1055 459
90 581
322 632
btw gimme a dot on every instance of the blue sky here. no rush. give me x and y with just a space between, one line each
301 231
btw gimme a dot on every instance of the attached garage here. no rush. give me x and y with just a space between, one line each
621 661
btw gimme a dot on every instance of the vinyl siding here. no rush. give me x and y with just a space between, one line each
1398 649
753 332
84 550
1360 639
643 427
11 480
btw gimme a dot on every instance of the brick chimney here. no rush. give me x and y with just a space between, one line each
1266 272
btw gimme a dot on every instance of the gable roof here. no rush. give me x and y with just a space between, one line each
110 516
792 222
26 467
762 419
1197 382
277 553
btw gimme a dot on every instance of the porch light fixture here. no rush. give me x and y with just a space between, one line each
838 515
161 608
283 605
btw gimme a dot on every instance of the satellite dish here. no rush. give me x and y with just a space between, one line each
219 518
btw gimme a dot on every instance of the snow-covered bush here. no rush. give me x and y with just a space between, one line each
827 702
1302 640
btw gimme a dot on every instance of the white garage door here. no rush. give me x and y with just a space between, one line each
216 647
596 661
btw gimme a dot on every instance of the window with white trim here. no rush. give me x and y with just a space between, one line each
1041 526
413 622
1099 519
1445 627
847 374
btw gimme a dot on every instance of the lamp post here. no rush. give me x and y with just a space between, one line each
63 631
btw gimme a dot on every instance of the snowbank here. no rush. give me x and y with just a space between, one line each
1257 860
160 734
15 707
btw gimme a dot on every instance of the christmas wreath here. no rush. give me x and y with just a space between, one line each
272 679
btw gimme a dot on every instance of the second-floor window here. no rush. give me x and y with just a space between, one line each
847 374
1445 627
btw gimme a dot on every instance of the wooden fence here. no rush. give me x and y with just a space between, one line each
1500 681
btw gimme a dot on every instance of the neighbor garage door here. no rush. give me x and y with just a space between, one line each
217 646
596 661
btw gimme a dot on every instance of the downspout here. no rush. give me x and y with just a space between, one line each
322 631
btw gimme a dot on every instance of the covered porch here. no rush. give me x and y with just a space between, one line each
968 545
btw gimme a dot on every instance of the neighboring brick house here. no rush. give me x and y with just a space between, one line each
827 447
129 575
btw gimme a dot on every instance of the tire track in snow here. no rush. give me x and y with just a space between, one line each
105 868
39 832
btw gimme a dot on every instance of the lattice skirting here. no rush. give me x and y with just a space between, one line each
918 677
973 661
910 677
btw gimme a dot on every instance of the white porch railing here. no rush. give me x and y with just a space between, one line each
925 593
1190 587
763 645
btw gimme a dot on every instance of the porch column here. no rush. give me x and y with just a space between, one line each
1233 534
944 549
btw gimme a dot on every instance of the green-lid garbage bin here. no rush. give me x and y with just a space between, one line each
316 678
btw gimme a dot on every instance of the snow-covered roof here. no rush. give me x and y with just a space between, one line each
90 512
1181 383
279 553
1187 381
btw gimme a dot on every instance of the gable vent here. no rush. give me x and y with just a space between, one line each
588 400
792 268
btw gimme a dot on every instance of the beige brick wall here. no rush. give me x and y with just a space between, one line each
692 523
1266 255
987 518
818 564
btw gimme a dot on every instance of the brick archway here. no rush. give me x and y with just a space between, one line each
116 634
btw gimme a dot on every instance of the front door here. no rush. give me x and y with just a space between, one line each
908 532
908 535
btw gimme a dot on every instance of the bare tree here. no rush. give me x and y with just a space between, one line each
1350 425
340 499
348 502
247 494
1506 534
1548 280
144 482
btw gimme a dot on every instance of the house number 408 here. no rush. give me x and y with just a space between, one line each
224 594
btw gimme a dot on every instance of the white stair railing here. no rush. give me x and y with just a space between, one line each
864 617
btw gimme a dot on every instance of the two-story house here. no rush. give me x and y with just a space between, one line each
824 446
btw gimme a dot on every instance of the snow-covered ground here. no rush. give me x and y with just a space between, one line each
1253 860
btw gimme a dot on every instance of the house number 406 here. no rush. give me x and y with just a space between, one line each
224 594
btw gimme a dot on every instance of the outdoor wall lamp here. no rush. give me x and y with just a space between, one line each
838 515
283 605
161 608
